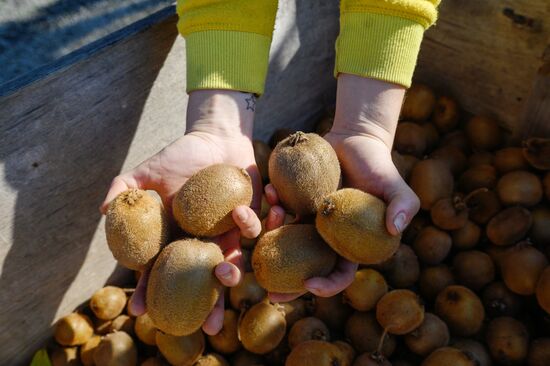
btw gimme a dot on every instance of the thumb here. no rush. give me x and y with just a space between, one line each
120 184
403 204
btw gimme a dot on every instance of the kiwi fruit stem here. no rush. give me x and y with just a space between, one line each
297 138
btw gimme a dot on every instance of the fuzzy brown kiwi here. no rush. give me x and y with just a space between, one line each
451 155
371 359
466 237
262 328
365 290
245 358
540 230
102 326
247 293
211 359
431 180
446 114
307 329
315 353
73 330
450 213
123 322
461 309
137 228
521 268
415 226
86 351
181 350
546 185
65 356
400 311
348 352
204 204
304 168
473 269
432 245
435 279
183 267
279 135
261 155
419 103
483 133
500 301
116 349
331 310
509 159
543 290
227 339
432 136
449 356
509 226
402 269
539 352
287 256
519 188
430 335
364 333
457 139
481 158
403 163
279 354
145 329
107 303
154 361
353 223
476 349
410 138
483 205
508 340
295 310
479 176
324 125
537 152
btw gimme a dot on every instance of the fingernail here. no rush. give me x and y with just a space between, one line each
399 222
224 270
242 214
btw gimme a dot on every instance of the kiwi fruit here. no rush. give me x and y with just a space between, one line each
402 269
479 176
432 136
295 310
261 155
183 267
537 152
431 180
435 279
521 268
457 139
403 163
540 230
102 326
348 352
154 361
449 213
475 349
473 269
116 349
543 290
211 359
245 358
364 333
365 290
279 354
508 340
400 312
123 322
419 103
137 227
449 356
181 350
87 350
446 114
227 339
304 168
204 204
466 237
353 223
108 302
497 253
262 328
65 356
481 158
519 188
509 226
417 223
483 133
371 359
315 353
73 330
461 309
324 125
410 138
432 245
452 156
279 135
247 293
500 301
287 256
306 329
539 352
430 335
509 159
483 205
331 310
145 329
546 185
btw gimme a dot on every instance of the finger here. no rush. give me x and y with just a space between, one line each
336 282
275 218
119 184
228 274
136 304
247 221
256 179
271 195
277 297
214 322
403 204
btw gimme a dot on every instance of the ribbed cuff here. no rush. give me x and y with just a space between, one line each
378 46
227 60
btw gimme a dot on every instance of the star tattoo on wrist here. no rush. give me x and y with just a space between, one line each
251 103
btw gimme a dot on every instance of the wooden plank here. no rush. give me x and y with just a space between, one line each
536 119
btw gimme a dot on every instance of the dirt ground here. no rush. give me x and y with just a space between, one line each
36 32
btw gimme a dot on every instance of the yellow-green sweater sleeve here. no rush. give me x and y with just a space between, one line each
381 39
227 42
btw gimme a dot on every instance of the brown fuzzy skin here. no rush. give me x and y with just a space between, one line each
521 268
404 163
65 356
364 333
432 136
500 301
315 353
137 228
508 340
473 269
227 340
365 290
481 158
483 133
540 231
429 336
73 330
211 359
402 269
123 322
483 206
466 237
295 310
87 351
461 309
510 159
183 350
247 293
449 356
546 184
368 359
261 155
108 302
154 361
543 290
457 139
446 114
348 352
287 256
400 312
451 155
431 180
145 329
433 280
183 267
537 152
449 213
262 328
353 223
245 358
432 245
419 103
204 204
539 352
475 349
479 176
509 226
116 349
307 329
410 138
304 168
519 188
332 311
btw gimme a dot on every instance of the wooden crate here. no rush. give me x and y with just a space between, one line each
67 129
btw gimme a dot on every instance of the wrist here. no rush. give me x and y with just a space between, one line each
224 113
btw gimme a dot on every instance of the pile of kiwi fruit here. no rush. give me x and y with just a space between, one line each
468 282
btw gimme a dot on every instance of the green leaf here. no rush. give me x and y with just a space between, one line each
41 358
